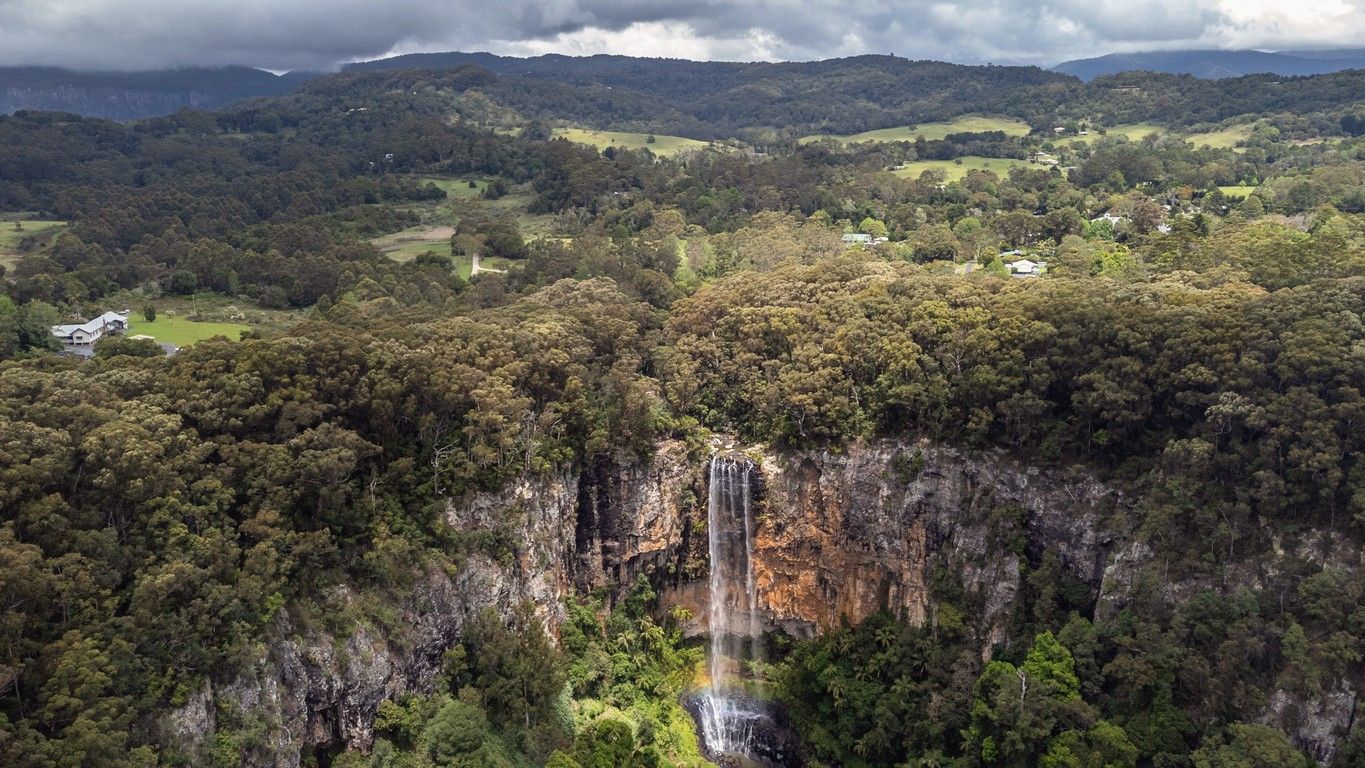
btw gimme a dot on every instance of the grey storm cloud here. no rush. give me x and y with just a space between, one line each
312 34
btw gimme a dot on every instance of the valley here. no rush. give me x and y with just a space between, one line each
613 411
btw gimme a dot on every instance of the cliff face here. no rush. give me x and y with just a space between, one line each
846 535
320 687
838 536
843 535
635 517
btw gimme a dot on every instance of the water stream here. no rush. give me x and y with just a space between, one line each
728 716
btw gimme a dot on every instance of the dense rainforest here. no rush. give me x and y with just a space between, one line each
443 309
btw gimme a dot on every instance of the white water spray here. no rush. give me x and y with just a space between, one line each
728 717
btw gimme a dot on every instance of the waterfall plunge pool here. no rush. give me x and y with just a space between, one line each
740 731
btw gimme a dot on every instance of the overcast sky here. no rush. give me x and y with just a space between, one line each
321 34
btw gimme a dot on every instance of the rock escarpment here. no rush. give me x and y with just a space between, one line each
846 535
839 536
319 687
636 516
843 535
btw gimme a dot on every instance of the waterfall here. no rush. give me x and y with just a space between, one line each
728 716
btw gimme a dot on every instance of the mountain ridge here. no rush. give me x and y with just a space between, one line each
1213 64
134 95
876 90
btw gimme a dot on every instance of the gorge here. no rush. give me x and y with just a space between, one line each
836 537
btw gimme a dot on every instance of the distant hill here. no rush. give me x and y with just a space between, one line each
717 100
1218 64
846 95
682 78
133 95
707 99
713 100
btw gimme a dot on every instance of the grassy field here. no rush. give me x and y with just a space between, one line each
412 242
663 145
1135 131
225 312
182 332
518 204
11 237
439 217
458 187
1227 138
1238 190
955 171
405 252
932 131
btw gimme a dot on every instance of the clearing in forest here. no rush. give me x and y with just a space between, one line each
13 232
1225 138
932 131
662 145
182 332
953 170
1132 131
410 243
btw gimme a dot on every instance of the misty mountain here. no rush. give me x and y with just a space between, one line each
133 95
1218 64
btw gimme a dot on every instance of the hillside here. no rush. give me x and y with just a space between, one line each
683 79
845 95
710 100
1217 64
133 95
719 100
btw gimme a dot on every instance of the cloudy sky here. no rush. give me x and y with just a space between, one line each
321 34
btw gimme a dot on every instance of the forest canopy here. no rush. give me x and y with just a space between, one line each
425 296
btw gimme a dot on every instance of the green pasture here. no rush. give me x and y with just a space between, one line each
663 145
1226 138
180 331
932 131
954 170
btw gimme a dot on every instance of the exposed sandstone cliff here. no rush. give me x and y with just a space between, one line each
839 536
845 535
636 516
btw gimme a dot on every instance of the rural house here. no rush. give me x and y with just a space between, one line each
1026 268
86 334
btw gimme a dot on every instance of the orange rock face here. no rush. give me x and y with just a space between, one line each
840 536
809 577
812 572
